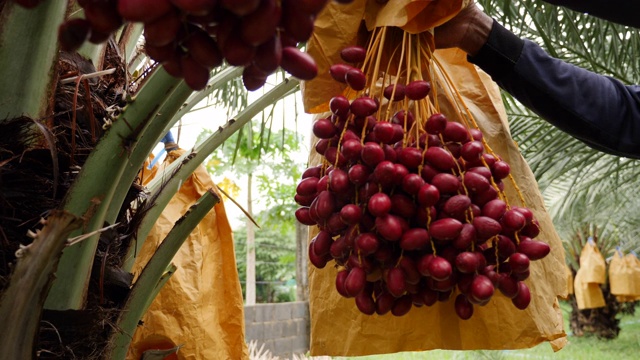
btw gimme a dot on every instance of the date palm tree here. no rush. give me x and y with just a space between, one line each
76 129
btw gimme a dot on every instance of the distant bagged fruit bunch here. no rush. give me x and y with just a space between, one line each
191 37
409 203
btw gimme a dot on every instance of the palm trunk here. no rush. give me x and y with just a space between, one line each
251 249
28 49
302 286
21 304
600 322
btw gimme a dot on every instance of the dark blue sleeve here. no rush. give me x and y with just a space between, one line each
598 110
625 12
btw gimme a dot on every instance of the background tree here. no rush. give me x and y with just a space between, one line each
275 264
271 159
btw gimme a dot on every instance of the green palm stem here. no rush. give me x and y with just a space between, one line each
141 149
92 192
28 53
165 118
216 82
128 39
146 287
163 188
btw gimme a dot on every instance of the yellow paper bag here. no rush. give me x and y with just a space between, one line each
592 264
619 275
337 326
588 294
624 276
569 281
414 16
623 298
339 25
146 174
498 325
634 263
201 306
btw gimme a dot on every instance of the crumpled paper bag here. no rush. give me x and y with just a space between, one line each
339 25
339 329
569 281
201 306
591 274
413 16
592 264
624 276
147 174
588 294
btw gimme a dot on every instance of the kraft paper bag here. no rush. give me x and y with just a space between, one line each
592 264
337 326
588 294
624 276
201 306
591 274
339 25
633 262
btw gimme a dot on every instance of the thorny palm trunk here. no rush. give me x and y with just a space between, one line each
601 322
251 250
28 291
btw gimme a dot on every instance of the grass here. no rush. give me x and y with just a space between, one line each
625 346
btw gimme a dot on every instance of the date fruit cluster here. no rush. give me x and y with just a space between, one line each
412 210
191 37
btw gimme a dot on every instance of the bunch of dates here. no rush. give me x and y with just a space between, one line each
412 210
191 37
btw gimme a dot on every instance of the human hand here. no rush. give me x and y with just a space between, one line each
468 30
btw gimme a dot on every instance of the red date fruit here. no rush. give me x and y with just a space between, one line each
298 63
353 54
523 298
464 309
534 250
417 89
445 229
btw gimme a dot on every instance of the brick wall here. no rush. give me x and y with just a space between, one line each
283 328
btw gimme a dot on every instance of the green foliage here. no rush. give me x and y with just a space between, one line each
232 96
275 264
255 147
278 196
274 162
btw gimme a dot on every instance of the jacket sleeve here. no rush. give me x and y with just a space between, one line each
598 110
625 12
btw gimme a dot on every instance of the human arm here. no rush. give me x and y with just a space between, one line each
625 12
598 110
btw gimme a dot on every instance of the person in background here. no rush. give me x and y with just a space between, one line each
601 111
